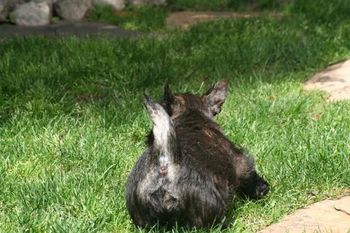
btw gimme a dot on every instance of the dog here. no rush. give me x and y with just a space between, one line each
190 171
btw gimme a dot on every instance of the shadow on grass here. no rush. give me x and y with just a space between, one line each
52 76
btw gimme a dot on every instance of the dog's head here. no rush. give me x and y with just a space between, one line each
209 104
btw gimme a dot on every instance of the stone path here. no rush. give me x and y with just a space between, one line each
335 80
329 215
325 216
185 19
79 29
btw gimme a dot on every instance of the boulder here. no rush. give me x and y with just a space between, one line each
3 15
116 4
35 13
6 6
72 10
49 2
149 2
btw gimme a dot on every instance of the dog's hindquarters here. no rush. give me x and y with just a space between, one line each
167 186
190 170
151 187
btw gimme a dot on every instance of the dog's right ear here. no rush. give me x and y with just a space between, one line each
215 96
168 98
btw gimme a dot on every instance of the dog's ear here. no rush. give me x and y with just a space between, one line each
152 107
163 128
168 98
216 96
157 113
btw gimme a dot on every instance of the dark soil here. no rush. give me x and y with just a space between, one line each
63 28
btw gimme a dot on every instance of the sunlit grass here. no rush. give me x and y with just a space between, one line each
72 122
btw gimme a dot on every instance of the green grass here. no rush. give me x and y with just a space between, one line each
147 18
141 18
227 5
72 123
198 4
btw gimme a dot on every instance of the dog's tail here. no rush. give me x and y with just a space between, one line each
164 144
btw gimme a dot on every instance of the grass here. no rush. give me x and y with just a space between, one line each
141 18
224 5
147 18
72 122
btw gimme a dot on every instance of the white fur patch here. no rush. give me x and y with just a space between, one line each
163 131
164 160
161 127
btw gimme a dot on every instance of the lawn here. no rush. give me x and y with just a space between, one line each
72 122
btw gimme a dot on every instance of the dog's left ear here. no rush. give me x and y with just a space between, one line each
215 96
168 97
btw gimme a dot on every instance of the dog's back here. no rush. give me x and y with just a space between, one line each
190 170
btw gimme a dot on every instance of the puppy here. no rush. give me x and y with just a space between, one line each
190 170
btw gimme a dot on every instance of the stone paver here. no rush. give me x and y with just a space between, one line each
335 80
185 19
325 216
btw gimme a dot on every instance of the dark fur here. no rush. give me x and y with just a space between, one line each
207 169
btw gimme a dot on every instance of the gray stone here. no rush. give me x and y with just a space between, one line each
6 6
334 80
325 216
31 14
116 4
49 2
72 9
3 15
148 2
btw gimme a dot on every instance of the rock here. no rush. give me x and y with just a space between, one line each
6 6
72 9
49 2
335 80
116 4
149 2
3 15
31 14
321 217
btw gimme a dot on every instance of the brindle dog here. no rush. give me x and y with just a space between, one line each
190 170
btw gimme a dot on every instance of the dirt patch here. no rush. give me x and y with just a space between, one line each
185 19
335 80
63 28
325 216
